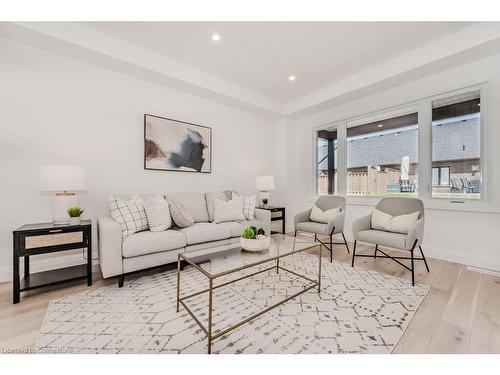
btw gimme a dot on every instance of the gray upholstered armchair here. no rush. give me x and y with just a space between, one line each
363 231
334 226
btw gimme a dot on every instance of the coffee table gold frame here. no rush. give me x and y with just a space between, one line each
208 330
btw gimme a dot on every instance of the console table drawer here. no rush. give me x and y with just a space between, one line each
54 239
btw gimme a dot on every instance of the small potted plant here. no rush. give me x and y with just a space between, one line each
264 201
74 215
254 239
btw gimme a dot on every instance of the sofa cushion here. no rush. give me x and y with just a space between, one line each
205 232
210 201
194 202
148 242
237 227
379 237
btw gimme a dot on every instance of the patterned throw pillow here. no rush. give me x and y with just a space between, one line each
129 214
158 214
249 204
180 215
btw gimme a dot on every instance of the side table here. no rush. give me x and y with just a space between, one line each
276 209
36 239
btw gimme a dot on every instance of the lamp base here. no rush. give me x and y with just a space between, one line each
60 205
264 195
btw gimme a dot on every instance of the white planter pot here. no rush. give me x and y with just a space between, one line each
255 244
74 220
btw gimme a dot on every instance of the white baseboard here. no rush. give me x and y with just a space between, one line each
485 271
45 264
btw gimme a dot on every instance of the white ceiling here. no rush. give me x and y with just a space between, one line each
260 56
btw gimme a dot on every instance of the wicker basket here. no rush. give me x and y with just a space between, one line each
255 244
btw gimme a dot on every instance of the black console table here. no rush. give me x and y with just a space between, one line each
281 217
36 239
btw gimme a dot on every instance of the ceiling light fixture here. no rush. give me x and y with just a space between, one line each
216 37
291 78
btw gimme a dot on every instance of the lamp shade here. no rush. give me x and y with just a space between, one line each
264 183
60 178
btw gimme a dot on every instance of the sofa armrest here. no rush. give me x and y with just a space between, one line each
416 233
302 216
363 223
109 233
337 223
264 216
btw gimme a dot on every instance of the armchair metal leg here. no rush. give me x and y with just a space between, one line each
353 253
376 249
345 241
315 237
412 268
423 257
295 233
331 249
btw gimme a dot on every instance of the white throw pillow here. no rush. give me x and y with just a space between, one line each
320 216
129 214
249 204
231 210
395 224
158 214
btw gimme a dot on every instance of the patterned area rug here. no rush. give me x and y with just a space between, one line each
357 311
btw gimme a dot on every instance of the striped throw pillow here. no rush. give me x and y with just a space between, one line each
180 215
130 214
158 214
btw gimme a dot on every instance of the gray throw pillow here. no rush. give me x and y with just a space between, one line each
180 215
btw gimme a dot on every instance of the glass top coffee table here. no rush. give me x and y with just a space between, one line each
225 268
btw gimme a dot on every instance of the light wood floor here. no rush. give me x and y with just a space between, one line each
461 313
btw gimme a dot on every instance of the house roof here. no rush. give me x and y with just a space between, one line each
451 141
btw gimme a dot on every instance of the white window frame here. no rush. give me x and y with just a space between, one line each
379 116
423 107
484 198
339 127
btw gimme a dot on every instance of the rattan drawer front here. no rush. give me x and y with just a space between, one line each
276 214
33 242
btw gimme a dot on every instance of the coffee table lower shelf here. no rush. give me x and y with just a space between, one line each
208 330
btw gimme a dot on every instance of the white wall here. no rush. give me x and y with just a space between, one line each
54 110
468 237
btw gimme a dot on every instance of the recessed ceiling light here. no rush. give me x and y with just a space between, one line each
291 78
216 37
380 126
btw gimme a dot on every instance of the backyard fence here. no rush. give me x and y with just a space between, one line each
361 183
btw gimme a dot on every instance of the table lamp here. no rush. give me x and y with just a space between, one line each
264 184
64 181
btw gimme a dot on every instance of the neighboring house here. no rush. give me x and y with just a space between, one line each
456 152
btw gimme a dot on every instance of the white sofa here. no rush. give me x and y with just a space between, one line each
119 256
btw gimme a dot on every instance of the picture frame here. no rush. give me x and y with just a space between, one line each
174 145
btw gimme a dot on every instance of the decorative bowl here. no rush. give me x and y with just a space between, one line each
255 244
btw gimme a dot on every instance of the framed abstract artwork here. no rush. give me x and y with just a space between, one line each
172 145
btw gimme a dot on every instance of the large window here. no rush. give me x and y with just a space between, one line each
382 157
456 146
382 154
326 156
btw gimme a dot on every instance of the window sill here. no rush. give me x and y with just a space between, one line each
433 204
429 204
